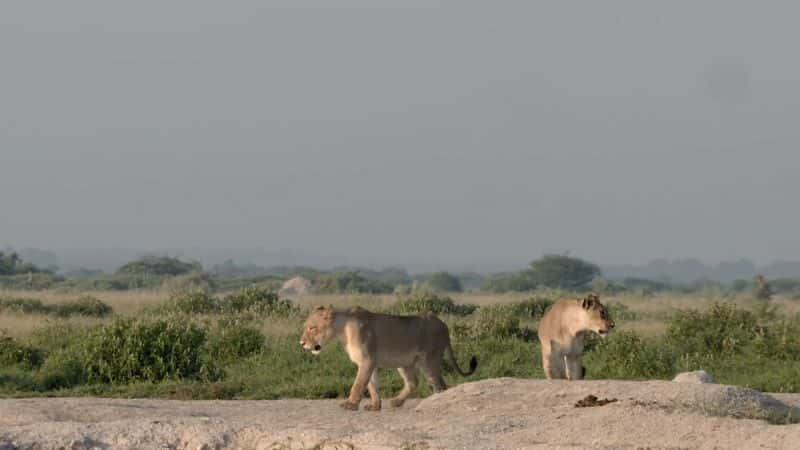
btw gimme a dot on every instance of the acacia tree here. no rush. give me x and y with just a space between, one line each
562 271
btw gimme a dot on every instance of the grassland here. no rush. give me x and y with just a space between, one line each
243 344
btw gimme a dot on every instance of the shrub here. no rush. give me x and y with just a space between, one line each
421 301
62 369
85 305
533 307
259 301
620 311
232 340
12 352
191 302
444 281
723 329
494 322
350 282
128 350
515 282
626 355
195 281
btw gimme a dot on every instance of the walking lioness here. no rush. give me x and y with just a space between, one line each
380 340
561 334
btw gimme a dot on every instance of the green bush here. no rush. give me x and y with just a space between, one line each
63 368
626 355
232 340
495 322
191 302
128 350
85 305
722 330
421 301
620 311
254 300
515 282
12 353
350 282
533 308
259 301
444 281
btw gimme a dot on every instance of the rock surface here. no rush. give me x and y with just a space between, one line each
698 376
297 286
498 413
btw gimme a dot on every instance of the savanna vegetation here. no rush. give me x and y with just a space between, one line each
194 334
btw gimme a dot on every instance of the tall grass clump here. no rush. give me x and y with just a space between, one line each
626 355
532 308
13 353
232 339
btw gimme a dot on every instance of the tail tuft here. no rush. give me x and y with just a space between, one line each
473 364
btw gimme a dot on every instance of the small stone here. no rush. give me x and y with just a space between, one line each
698 376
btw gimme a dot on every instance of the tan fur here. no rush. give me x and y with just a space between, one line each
374 340
561 333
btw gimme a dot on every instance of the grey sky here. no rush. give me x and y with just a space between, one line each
445 131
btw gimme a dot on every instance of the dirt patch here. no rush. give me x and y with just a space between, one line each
499 413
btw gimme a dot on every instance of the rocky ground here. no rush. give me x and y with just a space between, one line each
498 413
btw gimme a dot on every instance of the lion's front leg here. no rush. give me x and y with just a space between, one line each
374 393
574 367
365 370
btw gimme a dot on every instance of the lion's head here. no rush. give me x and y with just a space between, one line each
318 328
596 318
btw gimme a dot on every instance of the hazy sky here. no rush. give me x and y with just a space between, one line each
403 131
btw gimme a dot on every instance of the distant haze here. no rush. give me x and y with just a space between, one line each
461 134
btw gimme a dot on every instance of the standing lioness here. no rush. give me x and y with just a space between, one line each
381 340
561 334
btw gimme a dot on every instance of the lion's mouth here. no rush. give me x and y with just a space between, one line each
317 348
603 333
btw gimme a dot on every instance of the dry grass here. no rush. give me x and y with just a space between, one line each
125 303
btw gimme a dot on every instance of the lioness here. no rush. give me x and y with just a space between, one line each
380 340
561 334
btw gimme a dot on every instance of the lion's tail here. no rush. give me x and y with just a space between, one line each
473 363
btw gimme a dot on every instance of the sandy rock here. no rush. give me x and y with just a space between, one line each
698 376
297 286
489 414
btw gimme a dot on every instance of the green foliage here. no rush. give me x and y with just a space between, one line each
12 264
723 329
13 353
158 266
565 272
63 368
496 322
422 301
533 308
84 305
252 299
444 281
232 340
128 350
625 355
514 282
351 282
620 311
189 281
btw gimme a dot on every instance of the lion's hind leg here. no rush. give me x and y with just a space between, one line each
554 366
409 375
